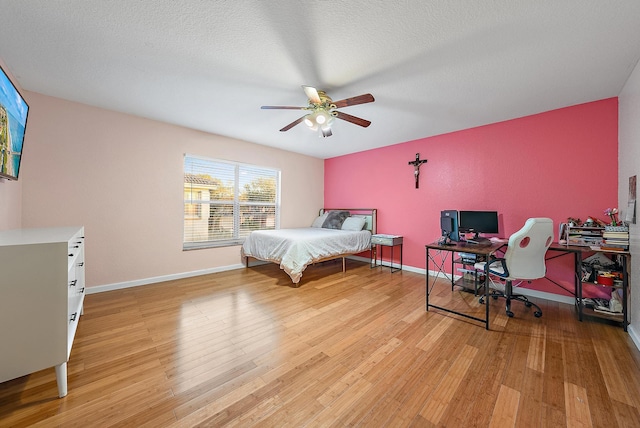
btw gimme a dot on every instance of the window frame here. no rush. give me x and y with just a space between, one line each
237 204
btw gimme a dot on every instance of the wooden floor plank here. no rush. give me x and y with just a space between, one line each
246 348
506 408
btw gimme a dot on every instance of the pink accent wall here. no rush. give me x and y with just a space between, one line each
558 164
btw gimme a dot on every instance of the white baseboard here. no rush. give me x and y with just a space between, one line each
569 300
634 336
135 283
156 279
524 291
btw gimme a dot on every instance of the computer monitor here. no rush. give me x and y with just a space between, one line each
449 224
478 222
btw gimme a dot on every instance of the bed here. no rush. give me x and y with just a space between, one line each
336 233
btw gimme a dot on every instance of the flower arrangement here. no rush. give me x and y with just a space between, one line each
613 213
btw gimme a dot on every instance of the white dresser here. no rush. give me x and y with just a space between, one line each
41 297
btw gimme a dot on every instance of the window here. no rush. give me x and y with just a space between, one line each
225 201
192 211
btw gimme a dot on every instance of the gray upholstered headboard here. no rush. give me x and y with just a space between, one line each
369 214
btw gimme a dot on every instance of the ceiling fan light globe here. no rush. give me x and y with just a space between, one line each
321 119
309 122
325 131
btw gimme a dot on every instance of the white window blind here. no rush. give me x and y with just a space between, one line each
224 201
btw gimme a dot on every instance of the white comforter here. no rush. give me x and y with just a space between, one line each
295 249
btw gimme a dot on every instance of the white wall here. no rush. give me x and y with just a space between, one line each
121 177
629 165
10 204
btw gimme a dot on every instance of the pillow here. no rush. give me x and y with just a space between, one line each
353 223
367 221
319 220
335 219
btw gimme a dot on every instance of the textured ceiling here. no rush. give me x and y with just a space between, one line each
433 66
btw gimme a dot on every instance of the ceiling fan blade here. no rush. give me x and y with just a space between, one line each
282 108
292 124
356 120
312 94
360 99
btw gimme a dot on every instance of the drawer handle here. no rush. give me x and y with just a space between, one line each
71 255
73 317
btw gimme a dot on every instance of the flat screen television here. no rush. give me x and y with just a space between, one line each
13 123
478 222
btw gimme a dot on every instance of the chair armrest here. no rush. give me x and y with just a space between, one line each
502 261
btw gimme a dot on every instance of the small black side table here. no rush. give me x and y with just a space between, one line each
385 241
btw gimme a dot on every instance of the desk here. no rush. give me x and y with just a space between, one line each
490 250
449 250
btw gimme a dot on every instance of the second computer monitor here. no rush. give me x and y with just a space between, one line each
478 222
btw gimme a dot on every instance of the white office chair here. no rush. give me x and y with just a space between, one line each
523 260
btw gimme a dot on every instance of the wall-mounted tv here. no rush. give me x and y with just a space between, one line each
13 123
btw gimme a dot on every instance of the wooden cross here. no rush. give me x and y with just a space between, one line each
416 165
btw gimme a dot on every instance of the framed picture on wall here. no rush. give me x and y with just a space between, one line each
631 205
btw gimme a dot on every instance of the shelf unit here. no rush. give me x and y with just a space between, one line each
620 286
592 240
584 236
470 279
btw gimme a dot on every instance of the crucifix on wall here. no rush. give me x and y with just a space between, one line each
416 168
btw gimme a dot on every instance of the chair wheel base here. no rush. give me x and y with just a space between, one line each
514 297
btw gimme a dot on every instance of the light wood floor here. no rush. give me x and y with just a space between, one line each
244 348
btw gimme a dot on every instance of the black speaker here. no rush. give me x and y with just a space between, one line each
449 224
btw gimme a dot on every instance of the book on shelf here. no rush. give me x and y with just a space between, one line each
615 235
616 241
609 248
616 229
616 238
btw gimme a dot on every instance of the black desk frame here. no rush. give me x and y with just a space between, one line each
489 252
449 250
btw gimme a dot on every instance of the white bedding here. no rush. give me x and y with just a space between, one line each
295 249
